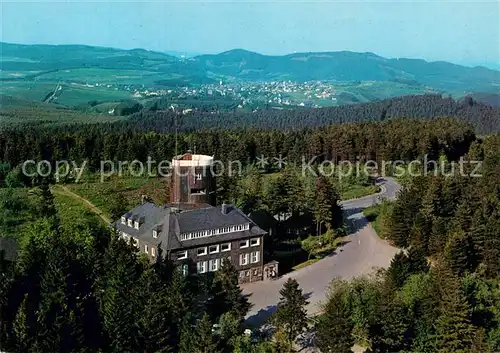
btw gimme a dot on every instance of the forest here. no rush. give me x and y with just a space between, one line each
484 118
88 292
442 293
82 289
390 140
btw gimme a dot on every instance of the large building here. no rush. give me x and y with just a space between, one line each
190 230
203 236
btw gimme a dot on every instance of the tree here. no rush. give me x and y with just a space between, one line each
47 207
458 252
291 314
117 205
155 321
118 299
392 333
228 296
20 327
230 329
454 330
311 244
416 258
276 196
399 270
203 340
323 205
334 328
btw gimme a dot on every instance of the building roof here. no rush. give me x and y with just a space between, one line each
185 220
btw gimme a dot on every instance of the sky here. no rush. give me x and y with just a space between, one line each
460 32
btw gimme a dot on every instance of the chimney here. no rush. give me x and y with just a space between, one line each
224 208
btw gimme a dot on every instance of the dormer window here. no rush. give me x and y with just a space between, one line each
155 233
124 220
129 223
136 225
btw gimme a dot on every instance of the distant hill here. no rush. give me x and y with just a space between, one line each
27 62
350 66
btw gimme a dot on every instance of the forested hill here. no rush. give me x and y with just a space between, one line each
249 66
349 66
484 118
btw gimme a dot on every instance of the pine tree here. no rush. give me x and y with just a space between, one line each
438 236
457 252
181 301
399 270
203 340
155 321
118 298
399 229
53 315
402 216
291 315
47 207
323 204
454 330
21 331
334 328
228 296
391 334
416 258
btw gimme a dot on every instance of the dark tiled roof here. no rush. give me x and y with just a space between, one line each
198 219
9 247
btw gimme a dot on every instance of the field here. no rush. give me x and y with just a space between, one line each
19 211
102 195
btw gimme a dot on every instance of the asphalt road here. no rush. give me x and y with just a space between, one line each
363 252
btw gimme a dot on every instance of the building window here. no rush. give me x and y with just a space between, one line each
201 267
243 259
136 225
214 265
247 226
129 223
124 220
255 242
181 255
198 176
153 251
247 273
146 249
244 244
185 270
225 247
186 236
242 274
213 249
255 257
255 272
136 242
201 251
155 233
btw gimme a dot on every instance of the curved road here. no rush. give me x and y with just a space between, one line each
363 252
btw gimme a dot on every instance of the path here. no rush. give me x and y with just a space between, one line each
363 252
63 190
